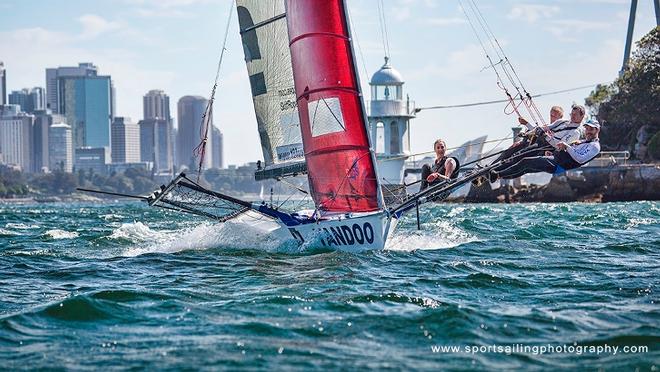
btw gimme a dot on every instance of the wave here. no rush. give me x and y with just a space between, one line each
227 235
21 226
61 234
437 235
7 232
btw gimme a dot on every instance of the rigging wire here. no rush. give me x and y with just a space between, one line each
357 41
503 63
383 28
482 103
449 148
200 150
526 98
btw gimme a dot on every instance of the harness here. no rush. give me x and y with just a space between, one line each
566 161
439 167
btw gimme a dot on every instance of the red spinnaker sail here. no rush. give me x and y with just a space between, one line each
341 170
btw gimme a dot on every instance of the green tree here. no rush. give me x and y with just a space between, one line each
631 102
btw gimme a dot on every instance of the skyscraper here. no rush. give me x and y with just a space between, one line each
125 141
20 97
190 112
156 105
156 132
156 144
217 148
60 147
86 103
43 120
16 137
3 84
38 98
52 75
30 100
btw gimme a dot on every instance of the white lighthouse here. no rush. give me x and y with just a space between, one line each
389 124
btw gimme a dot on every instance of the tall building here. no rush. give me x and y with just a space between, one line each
156 144
3 84
190 112
156 132
156 105
43 119
16 137
30 100
60 147
125 141
217 148
20 98
86 103
38 98
52 76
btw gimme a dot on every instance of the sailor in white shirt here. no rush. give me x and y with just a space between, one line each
560 129
566 156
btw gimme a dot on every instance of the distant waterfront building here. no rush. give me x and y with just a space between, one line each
60 147
52 75
19 97
156 105
92 158
217 148
173 140
86 103
156 144
3 84
38 98
43 119
156 131
190 112
125 141
30 100
16 137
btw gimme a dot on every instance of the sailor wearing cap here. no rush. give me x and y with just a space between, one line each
564 158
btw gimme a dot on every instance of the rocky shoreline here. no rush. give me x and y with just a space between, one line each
589 184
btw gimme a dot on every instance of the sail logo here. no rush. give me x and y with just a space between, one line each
288 152
340 235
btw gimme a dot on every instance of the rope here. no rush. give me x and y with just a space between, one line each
505 65
447 149
200 150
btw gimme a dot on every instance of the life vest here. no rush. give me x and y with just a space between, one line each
439 167
566 161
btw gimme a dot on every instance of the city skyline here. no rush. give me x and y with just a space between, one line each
174 46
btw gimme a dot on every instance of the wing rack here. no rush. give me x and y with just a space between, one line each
186 195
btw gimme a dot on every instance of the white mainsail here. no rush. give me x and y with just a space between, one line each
264 35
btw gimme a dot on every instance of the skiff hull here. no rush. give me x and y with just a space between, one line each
354 233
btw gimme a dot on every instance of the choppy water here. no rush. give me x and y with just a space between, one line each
120 285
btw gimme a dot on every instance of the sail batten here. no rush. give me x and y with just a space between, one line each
340 164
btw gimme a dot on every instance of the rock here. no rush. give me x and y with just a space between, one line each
481 194
559 190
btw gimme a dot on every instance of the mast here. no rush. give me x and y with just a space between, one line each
340 161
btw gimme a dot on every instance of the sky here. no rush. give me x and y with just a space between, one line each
174 45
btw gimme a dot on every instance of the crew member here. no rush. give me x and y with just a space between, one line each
565 156
560 130
444 168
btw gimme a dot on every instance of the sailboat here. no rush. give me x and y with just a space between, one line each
311 119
